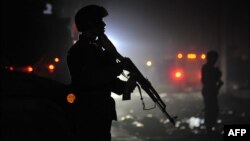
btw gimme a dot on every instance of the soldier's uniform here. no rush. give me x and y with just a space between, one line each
211 80
94 75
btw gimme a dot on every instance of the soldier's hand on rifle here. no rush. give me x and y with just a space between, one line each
106 43
129 88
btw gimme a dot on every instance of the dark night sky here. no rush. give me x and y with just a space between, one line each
157 29
170 24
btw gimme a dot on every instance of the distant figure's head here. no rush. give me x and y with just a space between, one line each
90 18
212 56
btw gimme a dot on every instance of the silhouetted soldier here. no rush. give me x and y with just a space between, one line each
211 80
94 76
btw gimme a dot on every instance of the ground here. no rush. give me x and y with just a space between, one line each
134 124
37 118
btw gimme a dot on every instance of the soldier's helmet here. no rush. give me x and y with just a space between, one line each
89 17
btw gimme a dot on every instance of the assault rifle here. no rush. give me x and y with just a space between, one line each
136 78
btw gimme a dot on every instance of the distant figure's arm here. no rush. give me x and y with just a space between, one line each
219 84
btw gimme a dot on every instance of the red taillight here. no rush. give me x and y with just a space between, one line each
177 74
29 69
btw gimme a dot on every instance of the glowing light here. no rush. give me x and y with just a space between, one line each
149 63
56 59
71 98
191 56
113 39
203 56
179 55
29 69
116 39
11 68
178 74
51 67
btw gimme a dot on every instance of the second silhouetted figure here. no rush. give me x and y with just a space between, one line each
211 80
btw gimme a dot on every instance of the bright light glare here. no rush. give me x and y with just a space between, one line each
114 40
29 69
179 55
203 56
191 56
149 63
56 59
178 74
51 67
115 37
